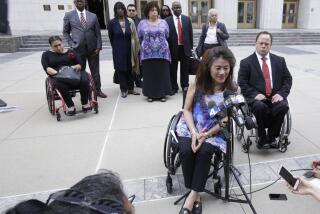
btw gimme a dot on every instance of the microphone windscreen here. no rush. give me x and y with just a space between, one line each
227 93
211 104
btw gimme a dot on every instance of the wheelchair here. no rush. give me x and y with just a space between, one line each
53 95
246 137
172 160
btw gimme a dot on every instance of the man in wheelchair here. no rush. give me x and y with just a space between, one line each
198 130
265 82
57 57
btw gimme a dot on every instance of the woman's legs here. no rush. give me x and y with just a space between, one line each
64 91
195 168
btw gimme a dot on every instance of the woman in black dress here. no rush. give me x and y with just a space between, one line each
52 60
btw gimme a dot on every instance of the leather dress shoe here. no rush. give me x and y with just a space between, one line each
101 94
133 92
197 207
184 211
263 146
173 92
124 94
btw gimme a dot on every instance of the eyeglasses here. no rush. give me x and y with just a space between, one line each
104 205
132 10
165 9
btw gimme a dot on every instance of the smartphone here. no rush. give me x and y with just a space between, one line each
286 175
282 197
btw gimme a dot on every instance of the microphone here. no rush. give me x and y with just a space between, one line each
231 103
214 110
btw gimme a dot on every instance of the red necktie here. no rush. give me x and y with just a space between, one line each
180 37
82 20
266 74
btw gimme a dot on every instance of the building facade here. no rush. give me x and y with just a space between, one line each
47 15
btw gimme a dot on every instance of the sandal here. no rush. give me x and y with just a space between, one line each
197 207
71 111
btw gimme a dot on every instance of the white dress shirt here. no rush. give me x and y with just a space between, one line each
211 37
84 14
175 20
268 63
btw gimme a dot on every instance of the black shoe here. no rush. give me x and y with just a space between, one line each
173 92
263 146
184 211
150 100
133 92
71 113
163 99
273 143
197 207
101 94
86 109
124 94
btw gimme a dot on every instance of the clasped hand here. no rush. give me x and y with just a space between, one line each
275 98
197 141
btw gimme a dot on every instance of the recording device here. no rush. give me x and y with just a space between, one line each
274 196
287 176
236 103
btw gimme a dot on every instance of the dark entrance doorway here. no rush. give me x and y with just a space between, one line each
99 7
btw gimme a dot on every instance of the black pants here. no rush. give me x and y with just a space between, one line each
209 46
195 166
269 115
125 80
93 61
184 70
64 89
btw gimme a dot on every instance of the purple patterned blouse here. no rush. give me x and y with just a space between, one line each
153 40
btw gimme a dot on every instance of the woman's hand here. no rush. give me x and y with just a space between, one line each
195 144
76 67
316 168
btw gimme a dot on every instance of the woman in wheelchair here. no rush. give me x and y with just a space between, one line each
198 129
52 60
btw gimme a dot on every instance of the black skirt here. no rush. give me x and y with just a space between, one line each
156 78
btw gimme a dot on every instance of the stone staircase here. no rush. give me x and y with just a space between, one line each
237 38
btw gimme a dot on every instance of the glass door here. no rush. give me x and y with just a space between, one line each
247 14
290 14
141 4
198 12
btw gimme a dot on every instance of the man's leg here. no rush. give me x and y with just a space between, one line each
173 76
94 66
184 70
278 112
262 113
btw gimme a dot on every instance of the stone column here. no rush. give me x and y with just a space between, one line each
269 14
308 13
228 12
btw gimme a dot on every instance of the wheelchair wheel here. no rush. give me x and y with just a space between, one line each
239 132
167 144
50 97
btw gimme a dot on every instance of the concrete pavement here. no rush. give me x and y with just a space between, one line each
39 155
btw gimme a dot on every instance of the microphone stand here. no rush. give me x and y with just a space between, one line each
229 167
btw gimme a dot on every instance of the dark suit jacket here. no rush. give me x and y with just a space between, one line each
78 37
251 80
221 37
186 33
121 44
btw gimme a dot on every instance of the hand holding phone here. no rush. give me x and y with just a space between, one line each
287 176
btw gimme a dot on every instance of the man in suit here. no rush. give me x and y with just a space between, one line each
265 81
82 31
180 44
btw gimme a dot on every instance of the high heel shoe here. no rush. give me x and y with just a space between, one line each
85 109
71 112
184 211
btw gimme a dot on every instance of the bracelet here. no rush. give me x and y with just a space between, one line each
194 131
206 135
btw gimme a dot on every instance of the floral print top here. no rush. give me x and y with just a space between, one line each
204 119
153 40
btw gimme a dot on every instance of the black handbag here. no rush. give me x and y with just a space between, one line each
194 64
68 75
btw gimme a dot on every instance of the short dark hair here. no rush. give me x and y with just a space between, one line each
94 187
30 206
265 33
54 38
119 5
149 7
131 5
203 77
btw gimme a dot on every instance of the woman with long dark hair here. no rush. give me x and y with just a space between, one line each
120 31
165 12
198 130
